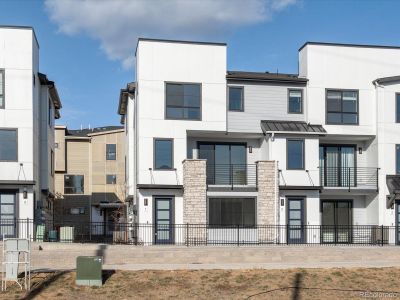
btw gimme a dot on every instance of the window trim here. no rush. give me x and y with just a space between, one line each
396 117
115 175
182 83
172 154
3 73
302 101
83 188
115 152
216 226
237 87
287 153
17 144
341 106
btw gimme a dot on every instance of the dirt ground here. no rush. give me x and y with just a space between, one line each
219 284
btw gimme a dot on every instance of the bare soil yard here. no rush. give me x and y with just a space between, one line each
219 284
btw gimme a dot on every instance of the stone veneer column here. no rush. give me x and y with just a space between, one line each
267 200
195 200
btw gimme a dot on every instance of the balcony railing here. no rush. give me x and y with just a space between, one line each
232 175
349 177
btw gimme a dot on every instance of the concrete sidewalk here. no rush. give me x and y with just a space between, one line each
126 257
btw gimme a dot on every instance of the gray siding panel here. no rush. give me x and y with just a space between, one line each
263 102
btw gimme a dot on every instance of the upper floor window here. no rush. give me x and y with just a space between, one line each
111 152
183 101
397 107
295 101
236 101
342 107
73 184
8 145
2 88
111 179
295 154
163 154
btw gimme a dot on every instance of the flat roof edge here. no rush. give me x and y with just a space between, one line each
348 45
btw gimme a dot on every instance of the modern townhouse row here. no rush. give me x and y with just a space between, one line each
29 104
221 148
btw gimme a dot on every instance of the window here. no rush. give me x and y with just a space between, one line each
342 107
236 102
73 184
397 159
2 88
183 101
111 179
397 107
232 211
77 211
163 154
295 101
111 151
8 145
295 154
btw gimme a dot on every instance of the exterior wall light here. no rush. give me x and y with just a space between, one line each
359 150
250 149
146 202
25 193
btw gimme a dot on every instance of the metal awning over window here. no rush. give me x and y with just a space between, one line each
270 126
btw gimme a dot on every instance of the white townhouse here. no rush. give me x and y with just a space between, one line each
263 157
29 103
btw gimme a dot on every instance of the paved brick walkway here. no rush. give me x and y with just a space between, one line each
126 257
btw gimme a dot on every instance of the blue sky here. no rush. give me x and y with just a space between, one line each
87 47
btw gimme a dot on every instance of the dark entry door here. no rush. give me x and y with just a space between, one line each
336 221
163 231
7 215
295 234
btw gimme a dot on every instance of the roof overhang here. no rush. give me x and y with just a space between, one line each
16 183
386 80
393 185
265 77
291 127
160 186
55 98
123 99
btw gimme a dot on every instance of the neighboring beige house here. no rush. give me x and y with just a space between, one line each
90 175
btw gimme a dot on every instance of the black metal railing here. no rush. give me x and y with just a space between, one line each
349 177
232 174
199 234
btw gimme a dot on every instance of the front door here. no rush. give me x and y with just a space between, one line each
163 231
7 215
295 234
336 221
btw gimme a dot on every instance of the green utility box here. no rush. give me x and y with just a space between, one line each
89 270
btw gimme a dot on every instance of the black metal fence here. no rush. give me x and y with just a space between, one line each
232 175
199 234
350 177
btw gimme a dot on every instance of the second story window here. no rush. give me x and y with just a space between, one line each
295 101
295 154
163 154
2 87
236 98
111 152
183 101
397 107
8 145
73 184
111 179
342 107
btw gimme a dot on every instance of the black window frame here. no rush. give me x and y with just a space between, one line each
242 98
166 104
3 76
301 101
244 198
341 107
107 152
303 156
74 193
16 144
397 106
155 153
113 181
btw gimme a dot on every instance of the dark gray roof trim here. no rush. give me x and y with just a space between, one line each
84 132
349 45
384 80
16 182
265 77
53 93
300 187
160 186
291 126
123 97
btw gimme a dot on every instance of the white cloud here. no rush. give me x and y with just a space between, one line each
118 23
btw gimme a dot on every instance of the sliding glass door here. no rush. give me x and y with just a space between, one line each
336 221
226 163
337 166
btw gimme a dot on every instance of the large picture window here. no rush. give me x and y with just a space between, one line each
232 211
163 154
342 107
236 102
8 145
183 101
73 184
295 154
2 87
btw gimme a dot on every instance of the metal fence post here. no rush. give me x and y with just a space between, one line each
187 234
382 235
238 237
